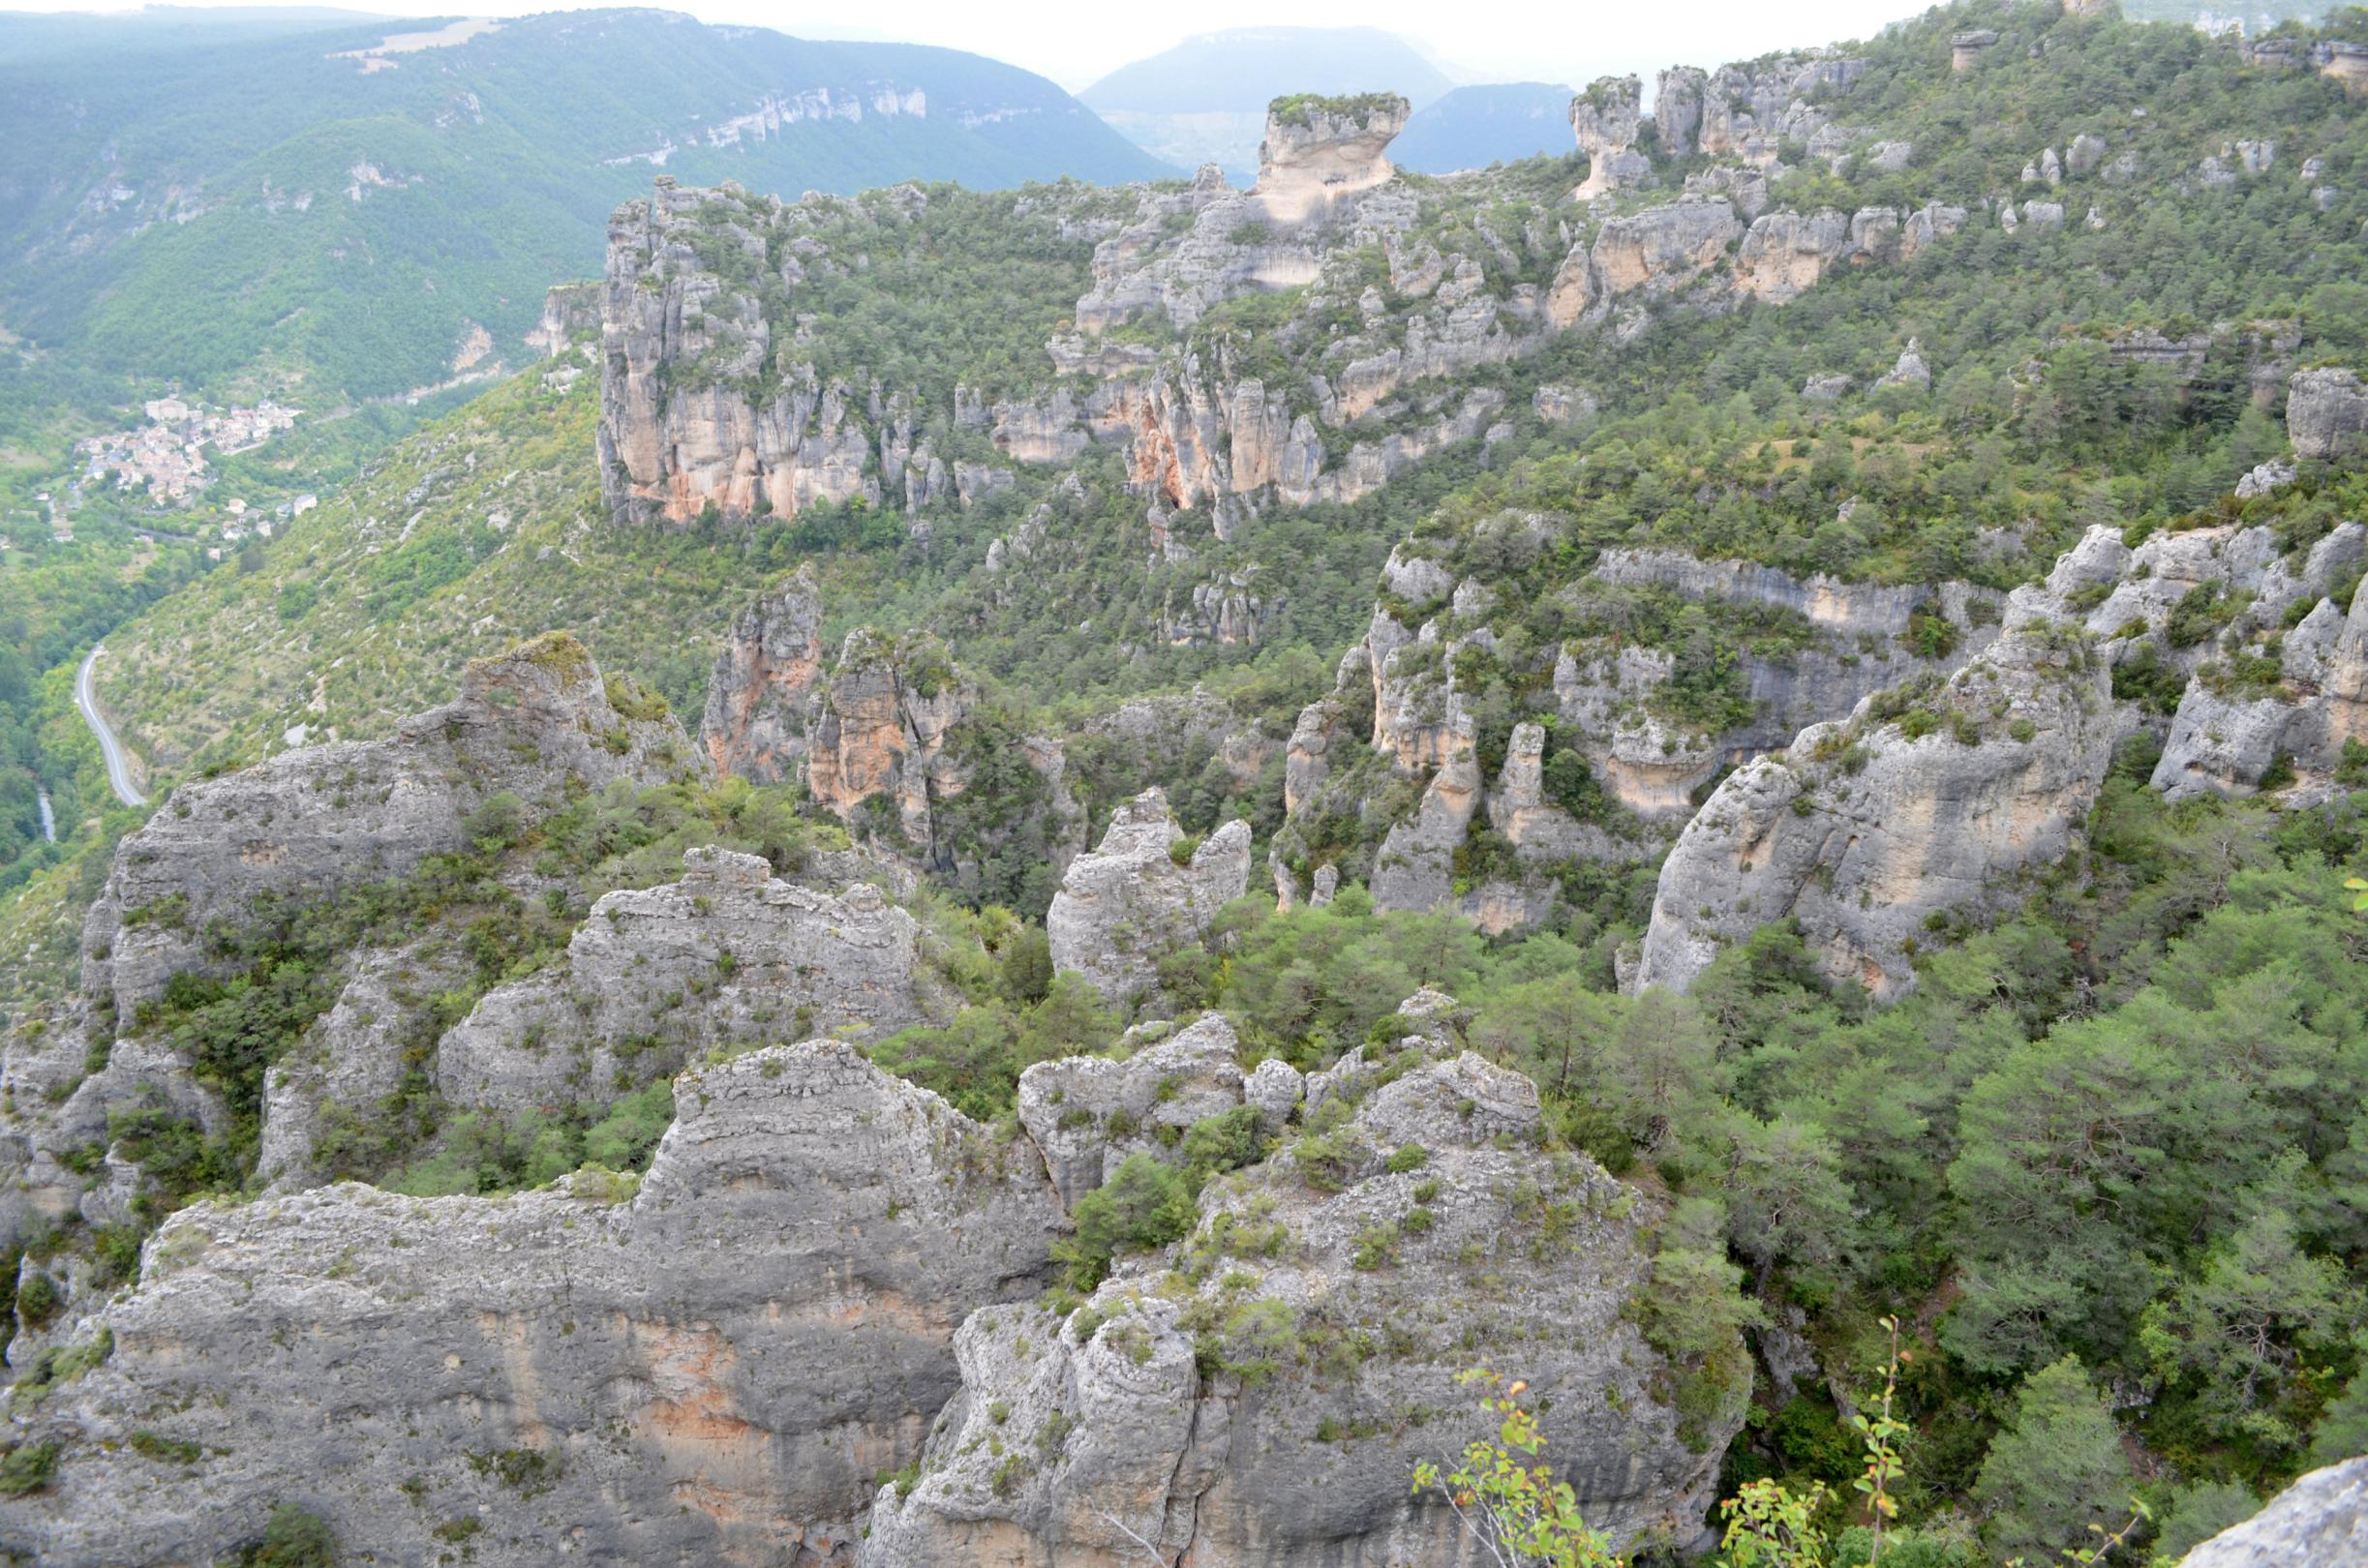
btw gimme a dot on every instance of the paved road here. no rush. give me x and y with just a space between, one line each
118 761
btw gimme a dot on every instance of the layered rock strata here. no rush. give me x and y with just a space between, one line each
754 726
715 1367
729 956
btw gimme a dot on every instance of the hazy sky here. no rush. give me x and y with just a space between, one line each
1074 42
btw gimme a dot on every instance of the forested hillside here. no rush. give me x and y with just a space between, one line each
1724 776
317 208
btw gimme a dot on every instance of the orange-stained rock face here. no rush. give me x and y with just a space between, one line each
755 722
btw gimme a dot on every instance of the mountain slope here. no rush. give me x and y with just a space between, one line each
1474 127
201 205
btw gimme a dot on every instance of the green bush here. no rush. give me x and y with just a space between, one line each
1144 1204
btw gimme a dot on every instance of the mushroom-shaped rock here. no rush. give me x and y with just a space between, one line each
1605 120
1320 149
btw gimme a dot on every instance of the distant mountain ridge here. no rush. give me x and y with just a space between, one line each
202 203
1495 122
1204 100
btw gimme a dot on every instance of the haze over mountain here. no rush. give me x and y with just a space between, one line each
1204 100
1474 127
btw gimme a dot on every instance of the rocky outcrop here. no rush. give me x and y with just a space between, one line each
530 723
1086 1114
2319 1521
1239 1412
2236 727
679 431
755 723
728 957
1604 119
1918 804
716 1368
570 311
1659 251
1318 150
1142 892
1745 112
2327 414
1699 244
881 730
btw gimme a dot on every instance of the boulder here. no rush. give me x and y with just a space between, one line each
2319 1521
2327 414
1137 896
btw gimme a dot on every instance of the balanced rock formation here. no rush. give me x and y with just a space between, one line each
755 723
1142 892
1248 1404
714 1368
729 956
1604 119
528 723
1318 150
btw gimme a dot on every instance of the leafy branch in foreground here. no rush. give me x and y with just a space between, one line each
1522 1518
1518 1513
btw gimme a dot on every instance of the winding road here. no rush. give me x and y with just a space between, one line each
118 761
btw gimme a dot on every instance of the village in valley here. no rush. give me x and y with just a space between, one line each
167 456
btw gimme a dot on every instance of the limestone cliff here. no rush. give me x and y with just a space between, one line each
312 821
714 1367
755 727
1916 805
729 956
1237 1406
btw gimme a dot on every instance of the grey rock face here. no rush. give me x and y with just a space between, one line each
1086 1114
310 822
1086 1440
2225 741
349 1060
1130 900
2327 414
2319 1521
729 955
755 722
1605 120
1859 829
714 1371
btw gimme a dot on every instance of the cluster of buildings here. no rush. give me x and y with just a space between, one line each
167 456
